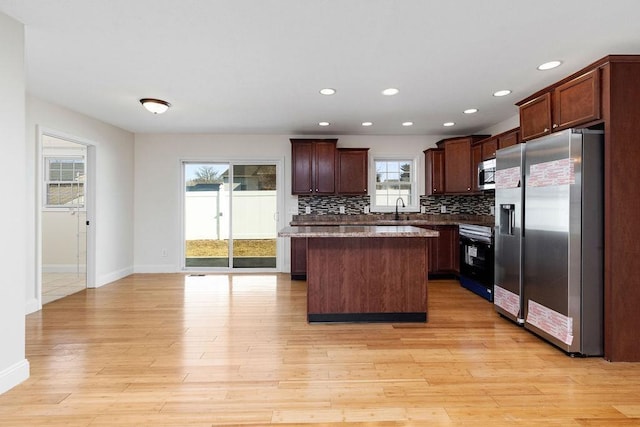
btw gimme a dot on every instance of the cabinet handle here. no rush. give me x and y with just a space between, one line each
555 125
468 188
546 130
434 190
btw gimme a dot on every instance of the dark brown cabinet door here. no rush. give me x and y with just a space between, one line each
535 117
325 167
302 168
457 169
434 174
352 170
476 158
508 139
313 166
489 148
444 257
448 249
577 101
298 258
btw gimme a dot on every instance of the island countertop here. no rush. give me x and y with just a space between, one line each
357 231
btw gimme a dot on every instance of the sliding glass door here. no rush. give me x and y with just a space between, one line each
230 215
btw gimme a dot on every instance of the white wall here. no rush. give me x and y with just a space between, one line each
113 174
63 240
14 367
158 192
505 125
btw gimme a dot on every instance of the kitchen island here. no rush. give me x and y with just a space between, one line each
365 273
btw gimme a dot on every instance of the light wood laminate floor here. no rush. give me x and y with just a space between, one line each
236 349
60 285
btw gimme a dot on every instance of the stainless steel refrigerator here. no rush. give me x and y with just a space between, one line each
561 240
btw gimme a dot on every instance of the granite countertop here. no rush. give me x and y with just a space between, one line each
357 231
388 219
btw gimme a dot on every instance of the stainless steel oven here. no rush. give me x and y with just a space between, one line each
476 259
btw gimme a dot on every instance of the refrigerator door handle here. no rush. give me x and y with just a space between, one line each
512 220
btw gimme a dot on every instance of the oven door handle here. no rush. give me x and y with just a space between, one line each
472 240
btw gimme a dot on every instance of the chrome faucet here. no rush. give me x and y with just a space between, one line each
401 201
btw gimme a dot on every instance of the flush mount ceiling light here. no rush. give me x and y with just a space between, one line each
448 124
367 123
390 91
407 124
327 91
549 65
323 124
470 111
156 106
503 92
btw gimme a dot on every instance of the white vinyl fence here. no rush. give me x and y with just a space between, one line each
207 215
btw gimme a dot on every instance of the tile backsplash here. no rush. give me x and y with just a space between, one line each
476 204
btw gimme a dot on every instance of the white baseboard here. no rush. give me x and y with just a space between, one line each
160 268
113 276
32 306
63 268
14 375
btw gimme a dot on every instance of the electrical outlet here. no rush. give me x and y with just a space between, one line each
163 252
492 209
443 209
423 209
366 209
341 209
307 209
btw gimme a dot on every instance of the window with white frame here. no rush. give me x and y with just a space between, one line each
395 178
64 182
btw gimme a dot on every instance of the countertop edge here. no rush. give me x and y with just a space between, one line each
341 231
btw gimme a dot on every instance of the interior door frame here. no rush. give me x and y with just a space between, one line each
90 198
280 247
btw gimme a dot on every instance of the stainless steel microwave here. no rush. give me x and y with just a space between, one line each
487 174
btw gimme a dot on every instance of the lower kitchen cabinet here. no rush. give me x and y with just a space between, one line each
444 254
298 258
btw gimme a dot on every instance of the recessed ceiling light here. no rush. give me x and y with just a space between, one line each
470 111
407 123
390 91
323 124
367 123
448 124
549 65
504 92
327 91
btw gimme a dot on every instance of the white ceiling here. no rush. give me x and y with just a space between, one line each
256 66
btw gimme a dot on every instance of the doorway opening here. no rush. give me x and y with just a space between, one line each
63 217
230 215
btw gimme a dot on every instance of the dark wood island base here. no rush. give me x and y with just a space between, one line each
379 275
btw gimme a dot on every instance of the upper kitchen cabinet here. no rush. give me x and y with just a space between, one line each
458 166
535 117
434 174
476 159
489 147
570 104
577 101
509 138
313 166
352 176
